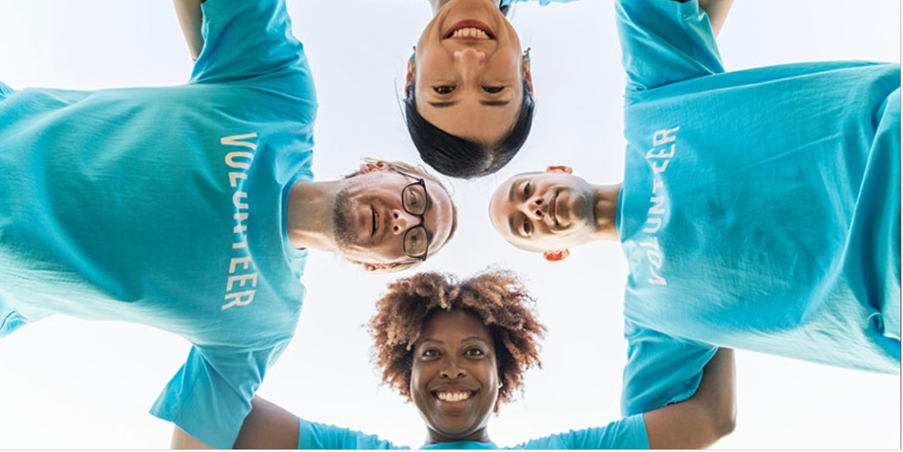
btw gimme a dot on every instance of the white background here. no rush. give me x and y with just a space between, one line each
75 384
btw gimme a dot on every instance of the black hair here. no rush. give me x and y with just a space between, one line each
457 157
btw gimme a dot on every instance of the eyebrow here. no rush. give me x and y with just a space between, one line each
451 103
466 339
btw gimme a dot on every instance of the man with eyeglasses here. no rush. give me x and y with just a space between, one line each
190 209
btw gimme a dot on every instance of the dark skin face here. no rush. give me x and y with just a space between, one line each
454 379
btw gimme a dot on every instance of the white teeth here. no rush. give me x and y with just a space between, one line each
453 396
470 32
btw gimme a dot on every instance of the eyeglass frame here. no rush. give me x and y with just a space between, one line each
422 183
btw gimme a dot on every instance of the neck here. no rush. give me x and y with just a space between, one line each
439 4
606 210
479 436
308 219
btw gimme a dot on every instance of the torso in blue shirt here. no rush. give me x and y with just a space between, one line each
627 433
760 208
165 206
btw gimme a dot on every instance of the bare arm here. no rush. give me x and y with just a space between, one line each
717 11
703 419
268 426
182 440
190 19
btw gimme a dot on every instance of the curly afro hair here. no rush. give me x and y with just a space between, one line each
496 297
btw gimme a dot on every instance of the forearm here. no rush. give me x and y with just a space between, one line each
191 19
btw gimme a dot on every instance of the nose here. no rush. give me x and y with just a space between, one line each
451 368
401 220
536 207
468 60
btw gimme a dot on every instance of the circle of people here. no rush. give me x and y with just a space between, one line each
86 237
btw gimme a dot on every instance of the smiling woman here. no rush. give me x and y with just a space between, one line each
469 91
459 350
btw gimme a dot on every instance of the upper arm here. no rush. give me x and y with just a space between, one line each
244 39
190 20
664 42
717 11
268 426
703 419
182 440
660 369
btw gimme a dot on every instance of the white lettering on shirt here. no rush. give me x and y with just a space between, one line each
242 276
659 157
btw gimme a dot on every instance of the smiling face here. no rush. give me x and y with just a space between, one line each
454 378
468 72
372 224
544 211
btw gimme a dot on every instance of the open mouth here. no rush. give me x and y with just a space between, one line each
453 396
470 30
374 217
553 209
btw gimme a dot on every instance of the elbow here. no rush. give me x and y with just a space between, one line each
725 425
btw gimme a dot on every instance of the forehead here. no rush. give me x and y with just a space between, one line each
456 324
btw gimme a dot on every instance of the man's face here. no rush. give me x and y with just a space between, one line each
454 376
548 211
371 222
468 72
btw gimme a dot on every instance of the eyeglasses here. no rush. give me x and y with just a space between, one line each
415 243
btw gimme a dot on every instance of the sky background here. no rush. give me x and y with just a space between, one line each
70 383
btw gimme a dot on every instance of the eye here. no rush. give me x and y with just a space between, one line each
528 190
444 89
528 227
429 353
413 199
493 89
474 352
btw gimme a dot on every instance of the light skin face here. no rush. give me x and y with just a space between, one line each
454 378
553 211
371 206
469 83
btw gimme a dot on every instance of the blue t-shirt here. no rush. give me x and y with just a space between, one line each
627 433
760 209
541 2
166 207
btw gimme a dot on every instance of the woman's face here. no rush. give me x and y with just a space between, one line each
469 72
454 378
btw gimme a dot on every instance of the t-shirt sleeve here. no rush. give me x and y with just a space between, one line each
627 433
313 435
541 2
664 41
245 39
660 370
211 394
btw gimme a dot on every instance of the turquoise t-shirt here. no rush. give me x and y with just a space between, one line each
165 206
627 433
760 208
541 2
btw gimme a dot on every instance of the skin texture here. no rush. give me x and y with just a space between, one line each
552 211
467 86
455 354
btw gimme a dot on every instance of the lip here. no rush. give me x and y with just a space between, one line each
374 218
469 24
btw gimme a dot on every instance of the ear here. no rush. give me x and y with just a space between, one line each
369 167
555 256
409 77
528 75
559 169
375 268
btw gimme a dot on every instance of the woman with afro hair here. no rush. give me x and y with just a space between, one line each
458 350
